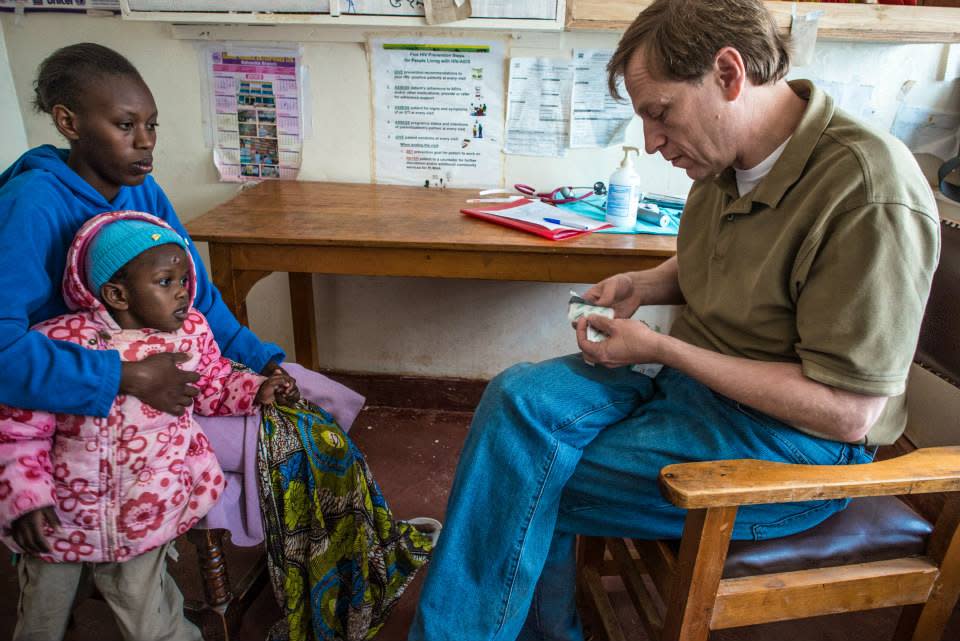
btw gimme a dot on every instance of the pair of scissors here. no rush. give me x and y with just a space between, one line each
561 195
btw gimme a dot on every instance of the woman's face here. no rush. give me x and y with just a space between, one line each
114 131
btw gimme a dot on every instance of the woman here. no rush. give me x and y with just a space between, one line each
101 105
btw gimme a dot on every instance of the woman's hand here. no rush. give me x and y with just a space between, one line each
28 530
628 342
279 388
619 292
158 382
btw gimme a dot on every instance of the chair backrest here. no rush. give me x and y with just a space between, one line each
939 346
933 395
933 391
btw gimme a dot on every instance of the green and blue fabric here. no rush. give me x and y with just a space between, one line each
338 560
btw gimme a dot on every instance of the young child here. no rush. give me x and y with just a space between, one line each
113 492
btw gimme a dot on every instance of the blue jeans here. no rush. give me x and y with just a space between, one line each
560 448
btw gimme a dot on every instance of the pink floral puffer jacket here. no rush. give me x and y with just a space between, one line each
130 482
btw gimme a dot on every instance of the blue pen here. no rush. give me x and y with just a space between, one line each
557 221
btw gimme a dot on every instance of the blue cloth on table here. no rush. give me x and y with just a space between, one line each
595 207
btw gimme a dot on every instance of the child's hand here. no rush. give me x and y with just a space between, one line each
28 530
280 388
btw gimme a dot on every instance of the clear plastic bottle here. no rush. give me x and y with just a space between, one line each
623 195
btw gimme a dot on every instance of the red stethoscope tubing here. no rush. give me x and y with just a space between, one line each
550 197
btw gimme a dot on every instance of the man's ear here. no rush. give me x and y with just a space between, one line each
114 296
65 121
731 73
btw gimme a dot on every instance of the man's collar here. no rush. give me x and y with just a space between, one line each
788 169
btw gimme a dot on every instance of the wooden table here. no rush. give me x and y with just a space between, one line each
309 228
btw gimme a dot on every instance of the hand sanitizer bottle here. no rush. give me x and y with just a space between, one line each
623 195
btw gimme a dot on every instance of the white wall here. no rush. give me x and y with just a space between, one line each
13 138
415 326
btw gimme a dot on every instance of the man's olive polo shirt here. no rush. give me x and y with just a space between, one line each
827 262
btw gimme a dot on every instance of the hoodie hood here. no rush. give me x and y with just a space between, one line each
76 294
49 159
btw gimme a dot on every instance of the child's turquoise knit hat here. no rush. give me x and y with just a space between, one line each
119 242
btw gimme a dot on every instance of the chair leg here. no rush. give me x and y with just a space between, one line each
907 623
589 555
590 550
703 551
598 615
217 620
945 548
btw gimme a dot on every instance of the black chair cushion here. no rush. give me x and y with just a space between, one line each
870 529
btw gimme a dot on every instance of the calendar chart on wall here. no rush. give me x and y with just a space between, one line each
256 117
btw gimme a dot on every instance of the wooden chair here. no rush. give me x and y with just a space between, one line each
877 553
218 614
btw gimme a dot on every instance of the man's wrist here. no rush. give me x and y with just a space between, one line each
665 349
659 285
640 282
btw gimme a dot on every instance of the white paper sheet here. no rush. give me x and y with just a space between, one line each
256 103
928 118
536 9
529 9
62 5
598 120
542 9
538 107
438 109
537 212
854 98
444 11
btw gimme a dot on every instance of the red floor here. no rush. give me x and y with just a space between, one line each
413 456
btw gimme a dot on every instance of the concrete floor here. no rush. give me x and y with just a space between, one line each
413 455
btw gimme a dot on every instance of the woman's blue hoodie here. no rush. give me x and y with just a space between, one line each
42 205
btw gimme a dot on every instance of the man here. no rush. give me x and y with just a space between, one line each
804 262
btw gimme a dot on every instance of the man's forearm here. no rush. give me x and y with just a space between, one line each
777 389
660 285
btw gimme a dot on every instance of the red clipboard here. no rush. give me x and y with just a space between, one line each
489 213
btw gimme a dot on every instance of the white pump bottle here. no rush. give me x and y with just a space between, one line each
623 194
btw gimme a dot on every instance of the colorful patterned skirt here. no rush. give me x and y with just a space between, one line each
338 560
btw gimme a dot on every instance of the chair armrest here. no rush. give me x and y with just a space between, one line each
748 481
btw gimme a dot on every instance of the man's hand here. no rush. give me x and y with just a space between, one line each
28 530
628 342
280 388
158 382
619 292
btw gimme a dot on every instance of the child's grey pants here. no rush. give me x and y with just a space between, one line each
144 598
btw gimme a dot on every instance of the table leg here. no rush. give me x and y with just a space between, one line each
234 284
304 320
221 271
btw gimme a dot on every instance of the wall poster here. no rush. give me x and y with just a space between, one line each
256 103
438 110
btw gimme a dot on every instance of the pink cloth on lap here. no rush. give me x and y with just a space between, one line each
234 440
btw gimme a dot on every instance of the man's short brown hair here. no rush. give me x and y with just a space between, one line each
681 38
